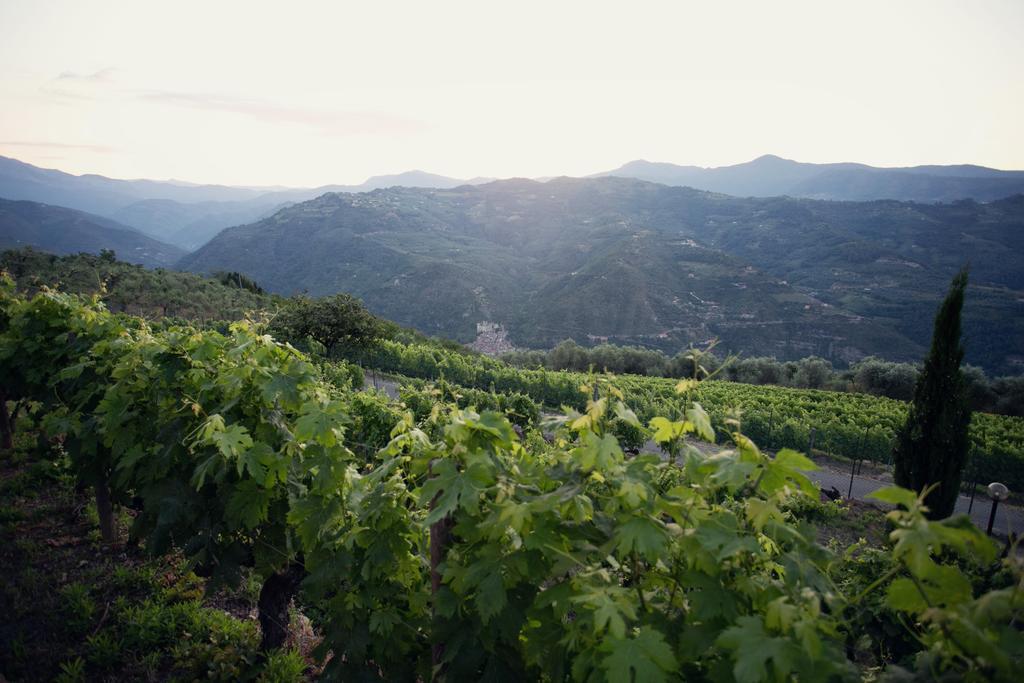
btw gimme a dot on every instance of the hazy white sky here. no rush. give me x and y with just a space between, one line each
309 93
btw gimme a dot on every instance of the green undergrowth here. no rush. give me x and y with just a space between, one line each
77 610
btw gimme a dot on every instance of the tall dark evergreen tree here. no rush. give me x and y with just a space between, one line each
931 446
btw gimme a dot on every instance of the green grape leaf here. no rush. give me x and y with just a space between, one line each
645 657
753 648
701 422
281 386
232 441
490 596
943 585
968 540
597 452
212 425
258 461
760 512
632 493
643 535
449 489
895 495
666 430
903 596
248 504
608 614
382 622
794 460
317 424
209 467
626 415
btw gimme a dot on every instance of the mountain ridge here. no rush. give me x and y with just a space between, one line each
770 175
181 213
59 230
644 263
189 214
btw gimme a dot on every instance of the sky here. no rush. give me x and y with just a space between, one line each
304 93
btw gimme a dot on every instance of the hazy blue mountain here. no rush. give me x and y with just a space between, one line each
770 176
59 230
649 264
415 179
98 194
190 226
188 215
180 213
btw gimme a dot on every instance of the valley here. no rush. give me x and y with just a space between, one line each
639 263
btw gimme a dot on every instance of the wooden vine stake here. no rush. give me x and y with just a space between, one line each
440 538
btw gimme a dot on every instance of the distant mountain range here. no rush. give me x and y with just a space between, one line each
65 231
187 215
772 176
183 214
604 257
643 263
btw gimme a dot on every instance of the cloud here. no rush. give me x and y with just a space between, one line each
101 76
99 149
100 85
71 85
332 121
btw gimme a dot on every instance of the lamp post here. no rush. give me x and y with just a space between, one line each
997 492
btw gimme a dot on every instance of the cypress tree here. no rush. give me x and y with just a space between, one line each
931 446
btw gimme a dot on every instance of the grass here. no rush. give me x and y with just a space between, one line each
77 610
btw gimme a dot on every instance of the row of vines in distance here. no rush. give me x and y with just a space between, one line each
856 426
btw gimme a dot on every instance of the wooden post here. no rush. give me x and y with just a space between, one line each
992 516
863 441
973 482
6 424
810 444
849 492
104 508
272 607
440 538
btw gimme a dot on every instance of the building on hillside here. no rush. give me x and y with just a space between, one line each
491 339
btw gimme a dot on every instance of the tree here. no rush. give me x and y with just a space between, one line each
340 322
568 355
873 375
812 373
931 447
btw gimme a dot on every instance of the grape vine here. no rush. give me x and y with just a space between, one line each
448 547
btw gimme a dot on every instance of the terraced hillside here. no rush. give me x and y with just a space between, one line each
638 262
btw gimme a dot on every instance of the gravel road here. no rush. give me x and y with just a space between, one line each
1009 518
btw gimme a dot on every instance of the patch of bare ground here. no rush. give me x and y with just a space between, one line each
857 520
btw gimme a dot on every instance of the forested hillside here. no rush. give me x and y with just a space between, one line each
641 263
65 231
150 293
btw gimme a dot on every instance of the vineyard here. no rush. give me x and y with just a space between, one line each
854 426
433 542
